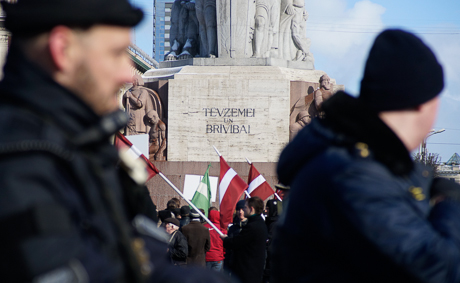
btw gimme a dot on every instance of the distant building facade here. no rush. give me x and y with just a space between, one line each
450 169
161 27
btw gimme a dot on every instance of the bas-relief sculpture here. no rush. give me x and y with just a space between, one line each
157 136
254 28
145 111
312 109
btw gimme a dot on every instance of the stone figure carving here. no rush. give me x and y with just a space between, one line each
138 100
135 102
302 119
183 35
157 136
265 41
207 19
312 107
322 94
293 44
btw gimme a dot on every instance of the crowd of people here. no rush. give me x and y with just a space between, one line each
243 253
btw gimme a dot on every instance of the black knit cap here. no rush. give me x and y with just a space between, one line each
401 72
29 17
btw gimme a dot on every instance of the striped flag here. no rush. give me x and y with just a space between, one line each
202 196
258 186
122 143
231 187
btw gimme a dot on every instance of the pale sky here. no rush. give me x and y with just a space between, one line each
342 32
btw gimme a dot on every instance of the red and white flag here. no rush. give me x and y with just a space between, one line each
122 142
258 186
231 187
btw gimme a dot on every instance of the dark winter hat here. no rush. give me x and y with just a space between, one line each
401 72
35 16
185 210
173 221
194 214
164 214
240 204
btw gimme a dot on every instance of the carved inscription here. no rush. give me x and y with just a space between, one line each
228 114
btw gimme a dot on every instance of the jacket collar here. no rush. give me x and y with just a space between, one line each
354 122
28 86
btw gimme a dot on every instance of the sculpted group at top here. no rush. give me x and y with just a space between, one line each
247 29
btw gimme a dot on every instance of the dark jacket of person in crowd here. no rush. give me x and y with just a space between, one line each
216 251
185 213
199 242
234 230
249 250
178 248
359 205
270 220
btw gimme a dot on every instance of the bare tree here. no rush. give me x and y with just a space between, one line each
430 159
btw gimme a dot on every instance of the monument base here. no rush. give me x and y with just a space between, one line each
302 65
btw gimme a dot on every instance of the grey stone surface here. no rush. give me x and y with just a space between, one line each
210 105
304 65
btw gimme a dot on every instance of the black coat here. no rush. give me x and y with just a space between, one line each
178 248
249 250
63 202
359 208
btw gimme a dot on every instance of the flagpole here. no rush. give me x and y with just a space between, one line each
247 194
218 153
278 197
190 203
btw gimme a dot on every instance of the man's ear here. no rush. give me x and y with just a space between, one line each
62 48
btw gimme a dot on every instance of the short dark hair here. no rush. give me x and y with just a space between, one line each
171 204
256 203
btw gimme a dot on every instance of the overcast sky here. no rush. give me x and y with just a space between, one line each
342 32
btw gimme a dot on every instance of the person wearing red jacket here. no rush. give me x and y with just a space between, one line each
215 255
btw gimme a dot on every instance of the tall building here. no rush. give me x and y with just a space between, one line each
161 27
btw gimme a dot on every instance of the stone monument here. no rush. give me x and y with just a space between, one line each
248 100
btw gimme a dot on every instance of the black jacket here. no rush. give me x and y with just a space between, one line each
360 207
178 248
249 250
64 206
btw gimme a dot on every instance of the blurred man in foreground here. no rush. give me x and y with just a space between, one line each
65 209
359 209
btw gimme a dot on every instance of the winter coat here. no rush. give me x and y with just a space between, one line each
249 250
216 252
234 230
65 208
178 248
360 207
199 242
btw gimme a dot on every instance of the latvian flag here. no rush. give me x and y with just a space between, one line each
121 142
231 187
258 186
